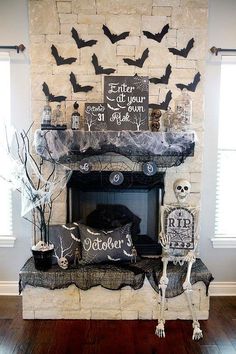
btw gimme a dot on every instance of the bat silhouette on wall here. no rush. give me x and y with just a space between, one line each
163 79
80 42
183 52
114 37
164 104
138 62
50 96
76 86
157 36
59 59
99 69
192 86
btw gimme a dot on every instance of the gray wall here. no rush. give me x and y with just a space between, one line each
14 30
222 34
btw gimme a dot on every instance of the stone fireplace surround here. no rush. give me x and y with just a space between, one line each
101 303
51 23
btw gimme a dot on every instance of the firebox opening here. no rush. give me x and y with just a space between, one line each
141 194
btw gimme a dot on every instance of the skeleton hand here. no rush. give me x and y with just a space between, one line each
187 285
163 282
190 256
197 332
160 330
165 241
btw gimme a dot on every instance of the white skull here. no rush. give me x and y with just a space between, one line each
182 189
63 263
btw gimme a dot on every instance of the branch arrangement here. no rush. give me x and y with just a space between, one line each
39 181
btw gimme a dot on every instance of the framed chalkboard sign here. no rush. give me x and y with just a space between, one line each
180 226
95 116
127 102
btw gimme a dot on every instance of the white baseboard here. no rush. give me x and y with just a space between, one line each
222 288
9 288
215 289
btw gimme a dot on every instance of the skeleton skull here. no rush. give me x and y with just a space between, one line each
63 262
182 189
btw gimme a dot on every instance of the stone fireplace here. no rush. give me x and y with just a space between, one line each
50 24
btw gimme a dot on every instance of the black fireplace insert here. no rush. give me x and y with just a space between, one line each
95 201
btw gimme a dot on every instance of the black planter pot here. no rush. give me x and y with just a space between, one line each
43 259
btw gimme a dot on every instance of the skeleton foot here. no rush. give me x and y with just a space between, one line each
160 330
197 332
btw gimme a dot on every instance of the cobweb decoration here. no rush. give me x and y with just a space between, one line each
50 189
141 83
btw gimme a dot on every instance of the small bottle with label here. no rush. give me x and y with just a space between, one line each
75 117
46 118
183 108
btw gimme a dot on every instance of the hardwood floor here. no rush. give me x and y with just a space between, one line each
115 337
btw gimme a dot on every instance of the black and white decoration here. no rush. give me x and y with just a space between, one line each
95 117
179 227
105 246
65 239
127 102
179 238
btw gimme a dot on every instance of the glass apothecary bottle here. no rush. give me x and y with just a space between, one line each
183 108
46 118
75 117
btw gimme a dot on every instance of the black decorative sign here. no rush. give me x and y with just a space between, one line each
95 116
180 226
127 102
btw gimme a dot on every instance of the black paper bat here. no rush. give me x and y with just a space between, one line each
77 87
80 42
114 37
50 96
99 69
164 104
183 52
138 62
59 59
163 79
157 36
192 86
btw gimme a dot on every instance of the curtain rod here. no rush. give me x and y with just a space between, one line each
18 48
215 50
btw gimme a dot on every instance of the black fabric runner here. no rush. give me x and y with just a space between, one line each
113 276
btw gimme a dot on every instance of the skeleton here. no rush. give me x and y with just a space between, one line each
178 256
60 253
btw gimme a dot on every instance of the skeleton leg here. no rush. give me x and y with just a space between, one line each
160 329
197 333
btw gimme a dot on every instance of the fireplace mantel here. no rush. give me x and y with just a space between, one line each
165 148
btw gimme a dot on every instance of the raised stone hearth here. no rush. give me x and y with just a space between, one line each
100 303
